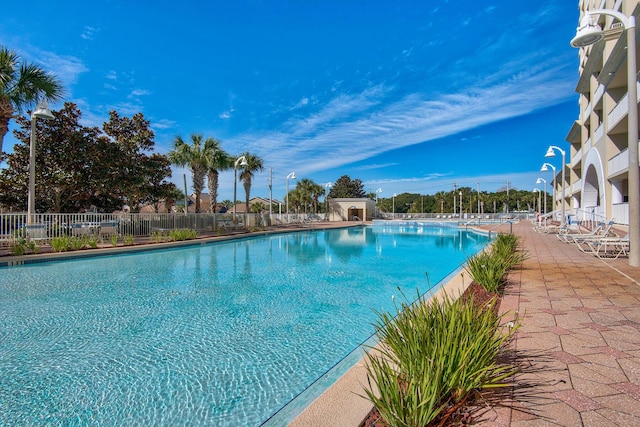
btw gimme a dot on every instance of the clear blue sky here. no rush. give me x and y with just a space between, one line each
408 96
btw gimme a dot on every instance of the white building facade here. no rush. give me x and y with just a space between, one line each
596 179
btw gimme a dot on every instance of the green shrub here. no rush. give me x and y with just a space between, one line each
78 242
431 356
33 246
183 234
506 246
92 242
114 240
18 247
487 269
61 243
159 237
127 239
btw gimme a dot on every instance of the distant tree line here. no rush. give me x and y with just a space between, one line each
443 201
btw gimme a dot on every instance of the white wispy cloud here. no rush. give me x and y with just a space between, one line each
67 68
353 128
88 33
136 93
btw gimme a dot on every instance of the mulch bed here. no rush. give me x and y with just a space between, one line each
462 415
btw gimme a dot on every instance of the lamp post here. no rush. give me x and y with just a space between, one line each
540 181
545 168
539 216
240 161
393 207
460 193
292 175
478 197
379 190
588 33
326 199
551 153
41 112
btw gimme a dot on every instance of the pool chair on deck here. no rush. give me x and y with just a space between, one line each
81 229
601 230
108 228
607 247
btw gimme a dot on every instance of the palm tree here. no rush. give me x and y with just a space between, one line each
22 84
254 163
193 156
217 160
304 186
317 191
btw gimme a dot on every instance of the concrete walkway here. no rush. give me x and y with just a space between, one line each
579 344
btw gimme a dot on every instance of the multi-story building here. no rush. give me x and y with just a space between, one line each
596 179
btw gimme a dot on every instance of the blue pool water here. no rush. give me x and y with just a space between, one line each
220 334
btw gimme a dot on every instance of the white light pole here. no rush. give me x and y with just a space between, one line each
545 168
292 175
551 153
588 33
240 161
326 198
379 190
41 112
540 181
539 206
478 197
460 193
393 209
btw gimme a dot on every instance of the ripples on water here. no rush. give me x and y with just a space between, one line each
222 334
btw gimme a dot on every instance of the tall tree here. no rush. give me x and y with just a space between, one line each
78 168
217 160
344 187
254 164
129 140
194 157
22 84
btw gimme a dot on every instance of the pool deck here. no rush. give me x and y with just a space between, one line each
578 345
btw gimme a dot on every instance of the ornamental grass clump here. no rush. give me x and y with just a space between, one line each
489 267
506 247
183 234
432 357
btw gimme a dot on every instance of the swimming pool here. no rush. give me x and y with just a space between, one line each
220 334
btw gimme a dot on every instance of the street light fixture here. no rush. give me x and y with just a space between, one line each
540 181
478 199
551 153
589 32
41 112
545 168
393 208
240 161
292 175
538 191
326 198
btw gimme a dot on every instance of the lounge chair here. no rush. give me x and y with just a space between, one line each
82 229
606 247
37 232
108 228
601 230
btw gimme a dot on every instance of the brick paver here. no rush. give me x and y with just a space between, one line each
579 341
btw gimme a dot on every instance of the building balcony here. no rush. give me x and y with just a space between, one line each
599 133
620 212
576 157
618 164
620 111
